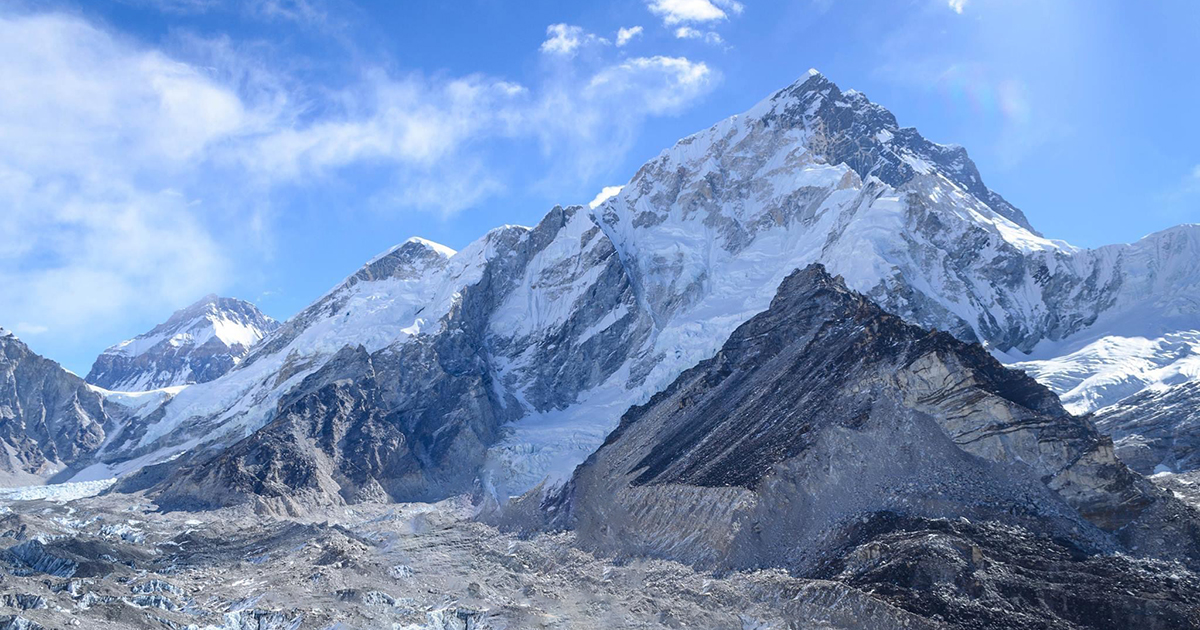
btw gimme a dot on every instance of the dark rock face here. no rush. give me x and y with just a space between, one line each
196 345
1154 429
824 415
49 418
341 437
986 575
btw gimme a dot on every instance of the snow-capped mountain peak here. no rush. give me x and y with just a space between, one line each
521 351
415 248
196 344
846 127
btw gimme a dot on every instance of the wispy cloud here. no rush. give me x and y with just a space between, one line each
89 130
566 39
687 32
675 12
606 193
625 35
587 117
957 5
311 11
657 84
124 170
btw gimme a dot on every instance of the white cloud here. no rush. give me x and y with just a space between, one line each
624 35
25 328
658 84
675 12
304 11
75 96
412 121
957 5
565 39
687 32
130 180
89 127
591 117
438 130
606 193
91 251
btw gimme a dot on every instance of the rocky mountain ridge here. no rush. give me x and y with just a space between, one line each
49 418
542 337
590 311
832 439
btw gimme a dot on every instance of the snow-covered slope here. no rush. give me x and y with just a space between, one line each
197 344
531 342
1144 392
1114 367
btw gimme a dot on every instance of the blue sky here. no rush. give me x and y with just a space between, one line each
153 151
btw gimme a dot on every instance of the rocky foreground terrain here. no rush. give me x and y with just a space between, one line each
114 562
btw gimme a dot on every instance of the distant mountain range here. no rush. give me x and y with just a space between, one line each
557 328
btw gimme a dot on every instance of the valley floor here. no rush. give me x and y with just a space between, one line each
113 562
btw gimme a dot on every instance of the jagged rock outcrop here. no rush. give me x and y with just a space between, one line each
845 127
340 438
49 418
987 575
197 344
825 417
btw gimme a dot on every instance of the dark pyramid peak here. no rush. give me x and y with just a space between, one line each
824 410
836 335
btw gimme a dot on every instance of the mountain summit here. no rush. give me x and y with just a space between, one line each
847 128
197 344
